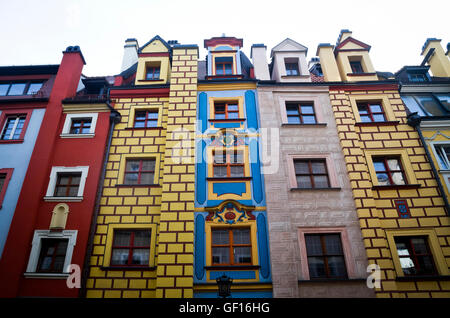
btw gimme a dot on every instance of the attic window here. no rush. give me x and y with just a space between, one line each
417 77
224 65
356 67
152 72
291 67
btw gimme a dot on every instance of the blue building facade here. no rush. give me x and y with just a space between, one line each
231 233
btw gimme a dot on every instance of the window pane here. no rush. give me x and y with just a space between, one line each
425 263
292 109
301 167
60 191
233 115
376 108
366 119
17 89
228 69
397 178
362 109
394 164
3 89
241 236
304 182
147 178
140 256
309 119
34 88
336 266
220 237
2 180
445 100
233 107
316 267
379 165
73 191
430 105
420 245
293 120
131 178
242 254
152 115
132 165
307 109
148 165
237 157
120 256
378 117
220 255
321 182
152 123
383 179
140 115
333 244
318 167
142 238
122 238
237 171
220 171
220 157
313 245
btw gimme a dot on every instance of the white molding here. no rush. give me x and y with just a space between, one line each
77 135
63 199
68 123
53 178
71 235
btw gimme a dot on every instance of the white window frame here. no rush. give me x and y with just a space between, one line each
68 123
16 122
49 196
33 260
442 170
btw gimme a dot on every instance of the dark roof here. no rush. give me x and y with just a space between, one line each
129 71
29 70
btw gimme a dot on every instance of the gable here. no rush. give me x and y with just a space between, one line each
155 45
289 45
352 44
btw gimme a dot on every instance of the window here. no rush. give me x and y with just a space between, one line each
300 113
371 112
152 73
325 256
67 184
12 129
291 68
146 119
224 65
417 77
311 173
356 67
51 253
389 171
231 246
228 164
415 255
443 155
81 126
52 256
5 177
139 171
226 110
131 248
17 89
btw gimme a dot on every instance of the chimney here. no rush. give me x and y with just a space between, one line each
436 57
343 35
130 54
258 56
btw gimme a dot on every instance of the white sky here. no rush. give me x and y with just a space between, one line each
36 32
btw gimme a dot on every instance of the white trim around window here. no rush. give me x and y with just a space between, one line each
68 123
71 235
49 196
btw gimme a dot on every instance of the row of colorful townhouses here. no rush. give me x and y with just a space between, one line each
290 178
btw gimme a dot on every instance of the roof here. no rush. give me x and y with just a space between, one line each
291 44
156 37
29 69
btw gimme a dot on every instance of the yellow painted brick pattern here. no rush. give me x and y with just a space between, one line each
176 239
376 209
127 205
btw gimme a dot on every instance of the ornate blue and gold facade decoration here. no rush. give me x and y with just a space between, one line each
231 234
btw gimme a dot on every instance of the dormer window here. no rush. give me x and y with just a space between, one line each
356 67
292 68
417 77
152 72
224 65
17 89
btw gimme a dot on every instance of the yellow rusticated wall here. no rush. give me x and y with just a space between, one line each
176 236
378 217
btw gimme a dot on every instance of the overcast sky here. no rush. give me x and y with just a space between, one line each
36 32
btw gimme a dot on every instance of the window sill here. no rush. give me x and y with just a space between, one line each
228 178
11 141
225 120
318 189
396 186
303 125
228 76
47 275
378 123
232 267
138 185
294 76
127 268
77 135
144 128
361 74
331 280
152 80
63 199
422 277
